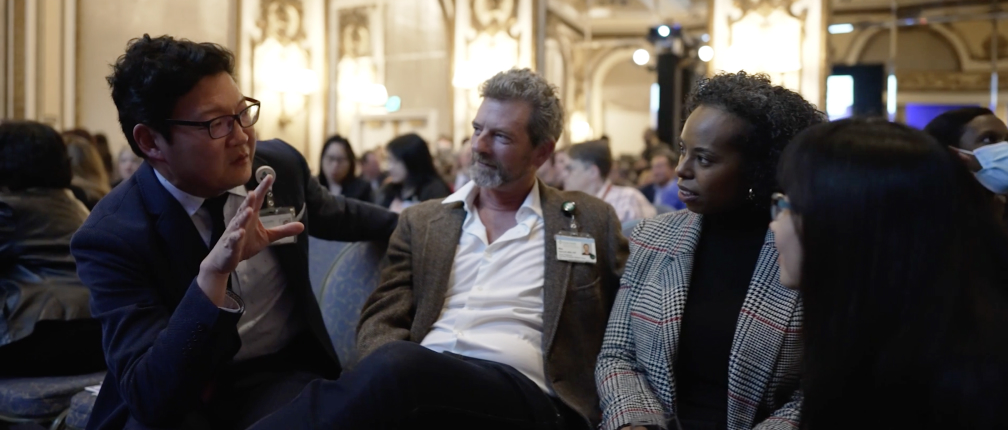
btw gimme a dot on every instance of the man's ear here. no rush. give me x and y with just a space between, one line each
147 140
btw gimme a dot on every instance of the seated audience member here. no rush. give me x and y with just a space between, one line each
702 329
88 172
989 164
967 128
445 159
548 173
588 172
371 171
413 178
128 163
47 328
100 142
208 317
503 335
904 300
972 129
664 190
463 162
338 171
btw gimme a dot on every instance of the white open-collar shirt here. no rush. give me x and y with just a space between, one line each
494 303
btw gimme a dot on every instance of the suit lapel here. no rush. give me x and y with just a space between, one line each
443 234
759 335
557 273
185 248
678 267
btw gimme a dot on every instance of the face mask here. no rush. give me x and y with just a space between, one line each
993 172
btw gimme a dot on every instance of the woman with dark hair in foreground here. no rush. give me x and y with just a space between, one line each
906 302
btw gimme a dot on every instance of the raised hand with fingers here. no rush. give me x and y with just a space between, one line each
244 237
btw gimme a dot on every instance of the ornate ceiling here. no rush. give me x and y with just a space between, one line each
633 17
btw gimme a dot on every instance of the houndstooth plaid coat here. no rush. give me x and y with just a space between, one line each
634 370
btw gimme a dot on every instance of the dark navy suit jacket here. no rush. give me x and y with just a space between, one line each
164 340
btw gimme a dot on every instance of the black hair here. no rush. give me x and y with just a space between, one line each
413 152
949 127
32 155
154 73
773 113
595 153
903 280
351 158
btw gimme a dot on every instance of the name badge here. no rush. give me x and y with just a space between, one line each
576 249
275 217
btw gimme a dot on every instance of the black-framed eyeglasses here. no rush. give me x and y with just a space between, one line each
778 204
223 125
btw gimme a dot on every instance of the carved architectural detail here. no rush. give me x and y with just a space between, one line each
947 81
1002 47
492 16
355 33
281 20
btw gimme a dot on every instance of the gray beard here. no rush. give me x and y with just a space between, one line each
486 177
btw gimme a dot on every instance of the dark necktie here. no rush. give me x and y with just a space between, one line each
216 208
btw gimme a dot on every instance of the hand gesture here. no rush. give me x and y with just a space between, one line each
244 237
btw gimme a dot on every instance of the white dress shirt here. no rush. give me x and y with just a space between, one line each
494 303
269 321
630 203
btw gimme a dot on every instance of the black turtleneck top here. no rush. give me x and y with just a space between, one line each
723 267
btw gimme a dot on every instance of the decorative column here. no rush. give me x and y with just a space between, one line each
490 36
785 39
282 65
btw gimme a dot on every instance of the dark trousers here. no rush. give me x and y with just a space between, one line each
404 385
55 348
250 390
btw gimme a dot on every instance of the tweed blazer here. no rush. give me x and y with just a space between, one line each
577 297
635 367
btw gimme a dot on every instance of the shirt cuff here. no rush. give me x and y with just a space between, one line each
232 303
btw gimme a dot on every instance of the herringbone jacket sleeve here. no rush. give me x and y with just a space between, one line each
624 392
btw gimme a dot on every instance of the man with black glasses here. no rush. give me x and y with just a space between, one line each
198 263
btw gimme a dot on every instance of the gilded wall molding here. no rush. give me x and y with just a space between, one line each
928 81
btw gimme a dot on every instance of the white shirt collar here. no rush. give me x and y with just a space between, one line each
189 202
467 195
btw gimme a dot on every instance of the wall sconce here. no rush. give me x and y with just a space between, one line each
581 131
291 81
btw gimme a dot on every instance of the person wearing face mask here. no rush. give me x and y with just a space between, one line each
412 175
991 166
904 300
701 329
971 132
967 128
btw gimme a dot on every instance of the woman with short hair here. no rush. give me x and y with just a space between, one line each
702 330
